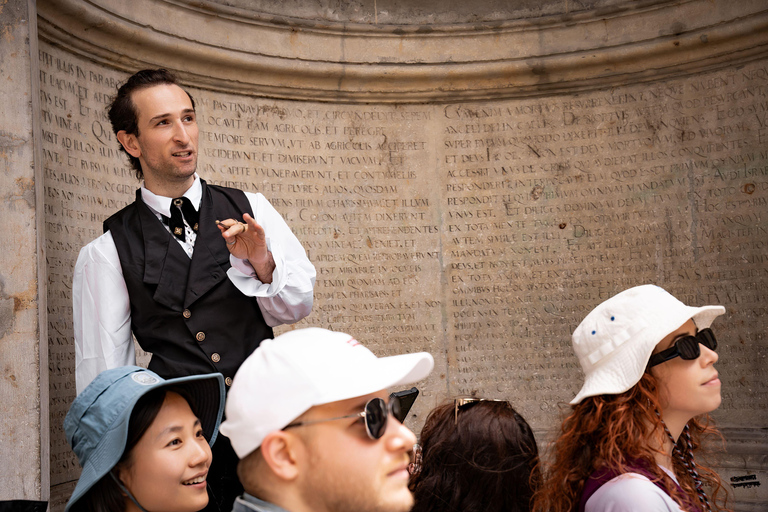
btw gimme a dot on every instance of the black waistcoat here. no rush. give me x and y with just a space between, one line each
187 312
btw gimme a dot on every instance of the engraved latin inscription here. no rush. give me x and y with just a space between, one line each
482 233
553 205
354 188
84 182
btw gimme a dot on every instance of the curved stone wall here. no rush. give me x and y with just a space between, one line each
469 189
234 49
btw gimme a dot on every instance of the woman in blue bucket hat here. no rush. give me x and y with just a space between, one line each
649 385
144 442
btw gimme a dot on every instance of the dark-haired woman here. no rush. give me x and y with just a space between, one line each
650 382
144 442
475 455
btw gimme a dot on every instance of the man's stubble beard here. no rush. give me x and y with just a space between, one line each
326 491
167 172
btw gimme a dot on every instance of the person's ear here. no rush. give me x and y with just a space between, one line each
282 452
123 475
130 143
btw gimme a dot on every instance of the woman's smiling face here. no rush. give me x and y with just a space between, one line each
168 467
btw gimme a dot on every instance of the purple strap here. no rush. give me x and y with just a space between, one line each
601 476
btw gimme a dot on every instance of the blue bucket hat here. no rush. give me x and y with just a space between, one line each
96 425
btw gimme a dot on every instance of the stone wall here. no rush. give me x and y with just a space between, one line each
475 209
23 365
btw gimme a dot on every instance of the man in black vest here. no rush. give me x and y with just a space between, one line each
197 287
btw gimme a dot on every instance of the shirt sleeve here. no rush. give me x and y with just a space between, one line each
288 298
101 312
630 492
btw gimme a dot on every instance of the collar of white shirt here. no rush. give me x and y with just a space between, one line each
162 204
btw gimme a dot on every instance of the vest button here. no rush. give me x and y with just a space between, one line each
200 336
215 357
228 381
186 313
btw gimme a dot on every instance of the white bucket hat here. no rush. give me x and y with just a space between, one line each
300 369
615 340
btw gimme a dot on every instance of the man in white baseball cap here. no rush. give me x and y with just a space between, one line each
309 417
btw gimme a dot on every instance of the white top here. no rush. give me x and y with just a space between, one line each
632 492
101 306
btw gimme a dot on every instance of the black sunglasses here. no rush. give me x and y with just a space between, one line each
405 401
376 415
686 347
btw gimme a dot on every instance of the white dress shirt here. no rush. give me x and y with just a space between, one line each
101 306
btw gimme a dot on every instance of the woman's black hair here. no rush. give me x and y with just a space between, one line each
485 460
105 495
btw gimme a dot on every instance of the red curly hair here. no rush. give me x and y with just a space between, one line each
612 432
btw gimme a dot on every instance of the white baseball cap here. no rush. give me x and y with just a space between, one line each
616 339
300 369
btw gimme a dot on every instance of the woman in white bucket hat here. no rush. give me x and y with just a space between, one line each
650 382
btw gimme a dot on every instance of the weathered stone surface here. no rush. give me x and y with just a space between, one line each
424 12
24 450
588 161
479 232
249 51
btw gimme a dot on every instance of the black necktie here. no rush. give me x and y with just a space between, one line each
181 208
